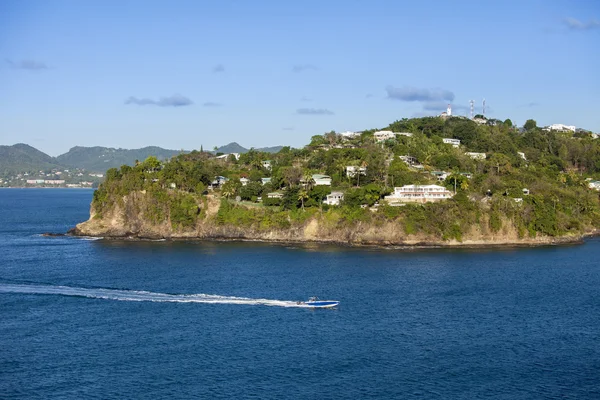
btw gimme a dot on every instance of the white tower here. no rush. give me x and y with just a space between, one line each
449 110
472 103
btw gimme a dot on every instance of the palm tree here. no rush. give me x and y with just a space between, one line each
302 195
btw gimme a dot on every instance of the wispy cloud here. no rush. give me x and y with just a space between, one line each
577 25
529 105
287 128
211 104
176 100
304 98
304 67
314 111
30 65
408 93
218 68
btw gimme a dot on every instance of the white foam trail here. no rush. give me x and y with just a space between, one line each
135 295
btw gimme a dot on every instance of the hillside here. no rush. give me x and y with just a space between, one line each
21 157
468 183
100 159
234 147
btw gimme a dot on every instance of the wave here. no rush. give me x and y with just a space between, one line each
140 295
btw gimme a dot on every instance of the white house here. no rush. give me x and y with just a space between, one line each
321 180
267 164
381 136
334 198
407 134
218 181
418 194
350 134
244 181
264 181
476 156
594 185
410 160
275 195
352 171
453 142
522 155
440 175
226 156
561 128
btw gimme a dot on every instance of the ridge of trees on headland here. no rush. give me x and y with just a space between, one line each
531 179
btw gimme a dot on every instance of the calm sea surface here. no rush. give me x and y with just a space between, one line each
114 320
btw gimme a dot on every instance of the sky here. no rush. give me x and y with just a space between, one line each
185 74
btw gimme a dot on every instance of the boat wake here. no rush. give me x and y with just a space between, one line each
135 295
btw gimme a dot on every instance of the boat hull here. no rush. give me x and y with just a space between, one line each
321 304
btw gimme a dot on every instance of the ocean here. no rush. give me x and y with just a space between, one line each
112 319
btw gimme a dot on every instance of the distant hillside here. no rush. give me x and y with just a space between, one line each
236 148
24 158
99 159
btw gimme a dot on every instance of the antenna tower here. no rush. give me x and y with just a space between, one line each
484 107
472 105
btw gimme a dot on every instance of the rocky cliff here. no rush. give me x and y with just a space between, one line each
127 219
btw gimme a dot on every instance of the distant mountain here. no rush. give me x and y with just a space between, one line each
99 159
236 148
24 158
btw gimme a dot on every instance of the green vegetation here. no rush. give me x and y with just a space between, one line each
529 181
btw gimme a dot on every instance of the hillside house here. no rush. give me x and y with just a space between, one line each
321 180
218 181
353 170
334 199
244 181
264 181
407 134
561 128
382 136
410 160
275 195
476 156
440 175
453 142
595 185
267 164
418 194
226 156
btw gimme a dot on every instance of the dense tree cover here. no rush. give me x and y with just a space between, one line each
535 179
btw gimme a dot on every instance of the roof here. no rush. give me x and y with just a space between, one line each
320 176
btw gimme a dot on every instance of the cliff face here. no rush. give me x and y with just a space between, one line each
126 219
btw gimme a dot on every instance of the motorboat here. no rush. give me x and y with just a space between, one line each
315 302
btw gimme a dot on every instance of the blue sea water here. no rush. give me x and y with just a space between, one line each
113 319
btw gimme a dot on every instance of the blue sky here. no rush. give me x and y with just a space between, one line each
181 74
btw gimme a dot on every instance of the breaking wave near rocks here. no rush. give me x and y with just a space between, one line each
140 295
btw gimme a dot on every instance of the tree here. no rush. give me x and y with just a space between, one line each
530 124
302 195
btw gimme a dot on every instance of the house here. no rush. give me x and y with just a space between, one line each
275 195
244 181
407 134
267 164
334 198
480 121
594 185
440 175
352 171
526 191
321 180
476 156
410 160
382 136
350 134
560 128
418 194
467 175
226 156
218 181
453 142
264 181
522 155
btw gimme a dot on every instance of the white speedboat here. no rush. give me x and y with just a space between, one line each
315 302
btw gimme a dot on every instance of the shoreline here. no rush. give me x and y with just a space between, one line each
417 245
